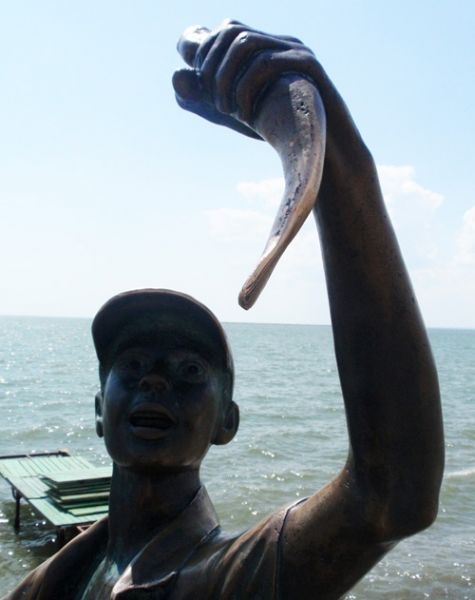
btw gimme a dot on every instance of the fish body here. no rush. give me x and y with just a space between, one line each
291 118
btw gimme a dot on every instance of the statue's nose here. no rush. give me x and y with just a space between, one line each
154 382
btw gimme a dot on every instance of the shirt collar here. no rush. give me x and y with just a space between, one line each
160 561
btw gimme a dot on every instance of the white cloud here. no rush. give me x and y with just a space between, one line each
267 192
398 184
465 240
231 225
446 294
235 225
413 211
438 259
446 288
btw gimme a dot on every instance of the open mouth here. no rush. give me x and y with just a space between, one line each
151 421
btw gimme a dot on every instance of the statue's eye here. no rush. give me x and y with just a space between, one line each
134 365
192 371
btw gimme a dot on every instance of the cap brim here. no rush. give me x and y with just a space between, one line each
120 311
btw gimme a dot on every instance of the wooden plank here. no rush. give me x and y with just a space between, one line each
90 512
29 487
78 490
63 518
89 486
84 490
33 454
83 507
27 467
51 513
79 476
82 462
13 467
78 501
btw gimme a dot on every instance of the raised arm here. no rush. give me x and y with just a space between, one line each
389 486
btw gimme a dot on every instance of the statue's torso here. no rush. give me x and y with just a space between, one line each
189 560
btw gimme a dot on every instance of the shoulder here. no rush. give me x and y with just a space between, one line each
29 588
241 566
264 537
63 571
328 544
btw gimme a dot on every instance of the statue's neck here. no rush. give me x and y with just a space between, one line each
141 504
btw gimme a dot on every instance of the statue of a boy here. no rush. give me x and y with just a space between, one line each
166 393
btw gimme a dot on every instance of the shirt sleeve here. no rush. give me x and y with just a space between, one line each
30 587
248 568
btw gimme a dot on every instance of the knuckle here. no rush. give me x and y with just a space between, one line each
295 40
249 38
264 59
221 105
227 22
228 35
243 37
244 113
233 30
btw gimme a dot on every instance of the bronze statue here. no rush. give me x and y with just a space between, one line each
167 375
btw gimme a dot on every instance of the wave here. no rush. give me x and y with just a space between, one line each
460 474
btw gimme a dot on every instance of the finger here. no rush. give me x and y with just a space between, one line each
190 96
189 42
218 44
196 41
290 38
217 50
207 44
187 85
238 57
229 21
197 37
262 72
210 113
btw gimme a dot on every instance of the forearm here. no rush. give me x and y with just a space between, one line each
387 373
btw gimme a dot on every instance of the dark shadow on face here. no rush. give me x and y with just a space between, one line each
165 397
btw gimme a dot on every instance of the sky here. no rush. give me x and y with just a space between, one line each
107 185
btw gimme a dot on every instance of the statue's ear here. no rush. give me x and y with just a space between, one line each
229 425
98 405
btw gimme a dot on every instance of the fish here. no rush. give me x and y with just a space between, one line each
290 116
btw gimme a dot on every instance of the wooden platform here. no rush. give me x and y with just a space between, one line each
67 491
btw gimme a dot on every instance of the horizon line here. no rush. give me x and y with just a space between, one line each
225 322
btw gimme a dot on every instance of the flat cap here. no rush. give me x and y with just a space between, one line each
115 319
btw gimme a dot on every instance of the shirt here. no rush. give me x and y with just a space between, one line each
189 559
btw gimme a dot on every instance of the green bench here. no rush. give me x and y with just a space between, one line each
68 491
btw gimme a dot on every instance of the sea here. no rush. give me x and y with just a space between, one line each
292 440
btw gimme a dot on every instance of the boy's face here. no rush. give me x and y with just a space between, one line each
162 403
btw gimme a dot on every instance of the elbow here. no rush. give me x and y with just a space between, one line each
407 519
401 507
418 518
418 504
410 500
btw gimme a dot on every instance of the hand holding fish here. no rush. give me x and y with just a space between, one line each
261 85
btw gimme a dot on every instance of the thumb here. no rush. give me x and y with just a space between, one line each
191 96
187 86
